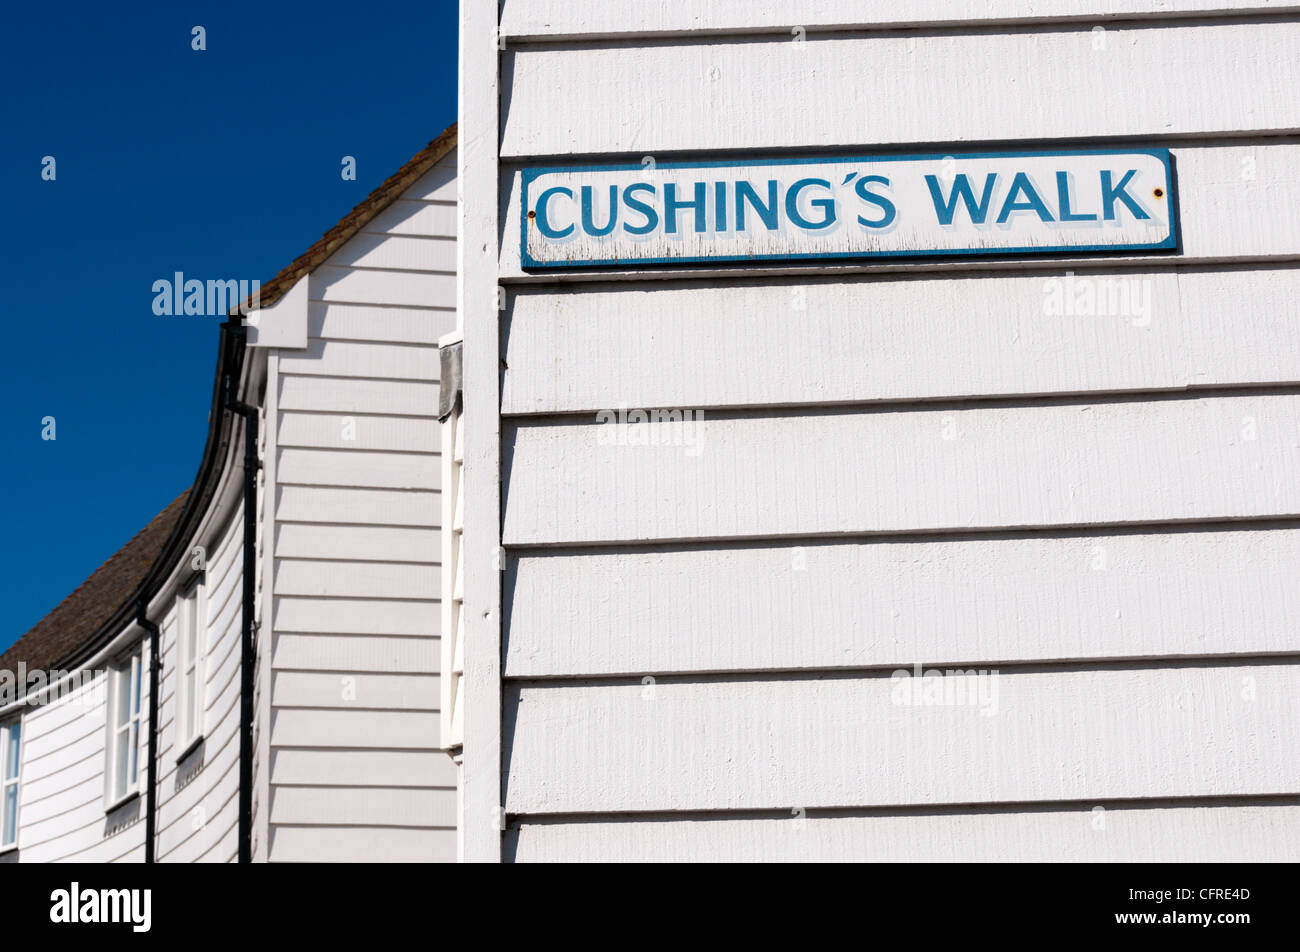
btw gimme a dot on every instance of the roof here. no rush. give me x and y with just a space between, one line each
355 220
96 600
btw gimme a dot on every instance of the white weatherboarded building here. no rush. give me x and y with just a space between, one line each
1072 477
340 612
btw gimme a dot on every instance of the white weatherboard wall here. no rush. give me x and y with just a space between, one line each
908 463
355 772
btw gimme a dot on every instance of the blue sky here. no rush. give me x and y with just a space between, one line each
223 163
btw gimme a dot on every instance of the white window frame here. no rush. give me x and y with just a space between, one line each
10 777
191 666
125 676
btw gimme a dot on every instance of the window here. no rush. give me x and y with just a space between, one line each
124 729
190 694
10 753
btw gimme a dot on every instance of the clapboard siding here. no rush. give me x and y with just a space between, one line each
894 603
369 543
1226 77
354 630
315 504
351 654
195 819
356 579
845 341
315 844
556 19
1091 734
1224 190
1087 833
391 768
959 467
61 798
319 689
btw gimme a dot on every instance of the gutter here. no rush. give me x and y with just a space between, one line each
247 638
151 764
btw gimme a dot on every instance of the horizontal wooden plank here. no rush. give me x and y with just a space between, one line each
436 185
391 768
1224 192
555 19
1225 78
356 616
406 217
403 288
1216 832
359 432
728 744
395 252
314 844
1054 464
845 605
390 470
393 692
845 341
363 806
356 579
356 653
295 727
353 395
411 325
326 504
335 358
357 543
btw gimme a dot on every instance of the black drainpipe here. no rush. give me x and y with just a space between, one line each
151 777
248 654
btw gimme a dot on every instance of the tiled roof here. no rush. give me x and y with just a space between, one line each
355 220
94 602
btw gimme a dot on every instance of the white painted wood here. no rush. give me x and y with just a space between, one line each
294 727
325 467
1220 832
1225 191
364 767
845 341
356 579
352 395
373 286
351 359
422 325
846 605
577 100
392 692
555 19
355 653
359 432
478 252
436 185
311 844
363 806
393 252
323 504
355 616
425 219
1089 734
892 471
360 543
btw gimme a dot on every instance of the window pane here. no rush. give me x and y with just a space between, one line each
11 751
11 813
121 752
191 626
121 684
135 686
134 743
